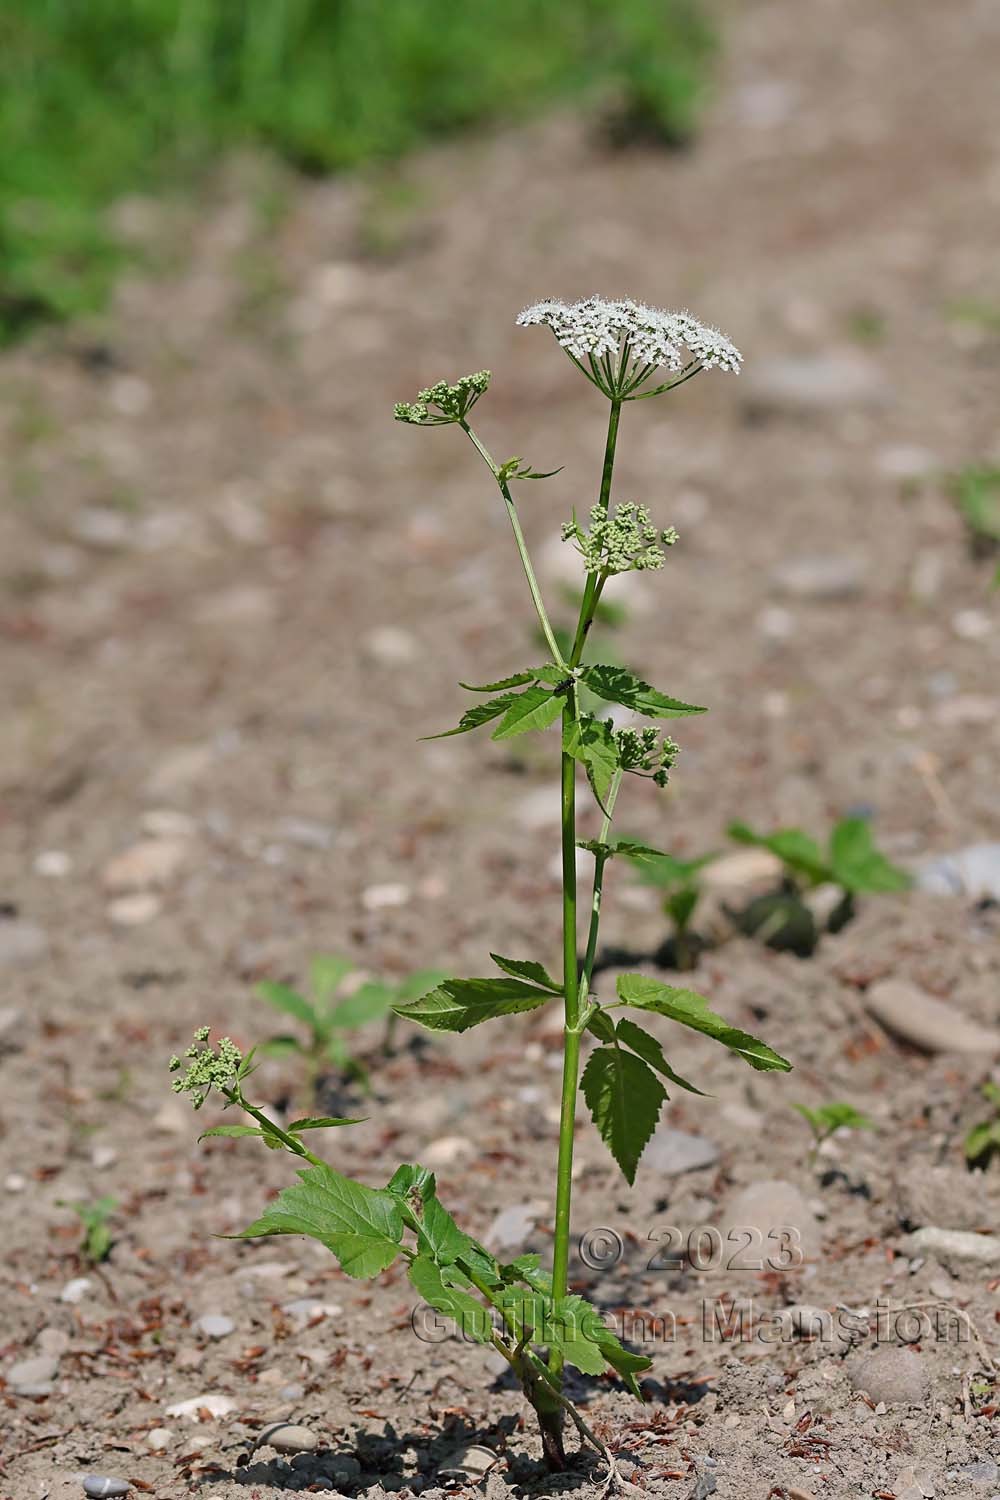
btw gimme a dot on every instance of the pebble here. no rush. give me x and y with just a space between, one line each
980 1471
306 1309
905 461
135 910
101 1487
820 575
513 1225
770 1206
925 1022
53 864
955 1248
21 943
285 1437
14 1182
391 646
470 1462
53 1342
675 1151
803 384
343 1468
379 897
445 1150
159 1438
103 1157
749 870
33 1377
215 1405
973 871
896 1376
150 863
215 1326
971 624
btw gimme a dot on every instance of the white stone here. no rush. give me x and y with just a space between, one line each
379 897
159 1438
286 1437
74 1291
215 1325
152 862
215 1405
134 910
971 624
926 1022
53 864
390 645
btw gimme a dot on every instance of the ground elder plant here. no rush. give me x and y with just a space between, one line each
628 353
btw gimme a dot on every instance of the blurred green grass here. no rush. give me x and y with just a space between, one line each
100 98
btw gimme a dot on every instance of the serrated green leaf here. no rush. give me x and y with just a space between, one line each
472 1318
627 1364
601 1024
592 743
234 1132
618 685
480 713
624 1097
563 1326
691 1009
535 708
527 968
856 863
362 1226
411 1178
447 1242
323 1122
458 1004
517 680
793 847
326 973
370 1002
516 1270
649 1049
289 1001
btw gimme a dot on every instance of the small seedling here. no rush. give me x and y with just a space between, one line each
852 862
827 1118
680 880
976 491
329 1020
983 1141
96 1242
627 352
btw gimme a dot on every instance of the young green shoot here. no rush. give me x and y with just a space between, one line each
94 1216
627 352
680 881
983 1141
825 1119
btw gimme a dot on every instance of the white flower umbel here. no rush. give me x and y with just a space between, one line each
619 345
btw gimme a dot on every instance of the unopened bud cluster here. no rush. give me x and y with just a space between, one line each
643 752
208 1067
453 402
622 540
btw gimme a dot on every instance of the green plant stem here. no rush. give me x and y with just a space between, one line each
571 992
595 903
522 547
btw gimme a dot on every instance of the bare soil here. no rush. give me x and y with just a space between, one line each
234 594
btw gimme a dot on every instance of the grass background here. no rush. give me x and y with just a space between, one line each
100 98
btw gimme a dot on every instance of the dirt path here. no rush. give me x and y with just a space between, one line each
233 595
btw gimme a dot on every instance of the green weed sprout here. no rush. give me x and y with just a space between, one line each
96 1242
983 1141
976 491
524 1312
851 862
680 880
824 1119
329 1021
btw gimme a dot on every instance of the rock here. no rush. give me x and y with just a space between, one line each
772 1206
821 575
513 1225
134 910
159 1438
390 646
285 1437
674 1151
469 1462
152 862
973 871
21 943
103 1157
53 1342
53 864
918 1018
980 1471
101 1487
748 871
307 1310
33 1377
215 1326
896 1376
955 1248
945 1196
379 897
445 1150
805 384
971 624
343 1468
215 1405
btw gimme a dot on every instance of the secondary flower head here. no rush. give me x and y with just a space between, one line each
208 1067
453 402
620 541
645 752
620 344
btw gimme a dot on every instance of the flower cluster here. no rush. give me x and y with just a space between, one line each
207 1067
625 341
453 402
644 753
619 541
